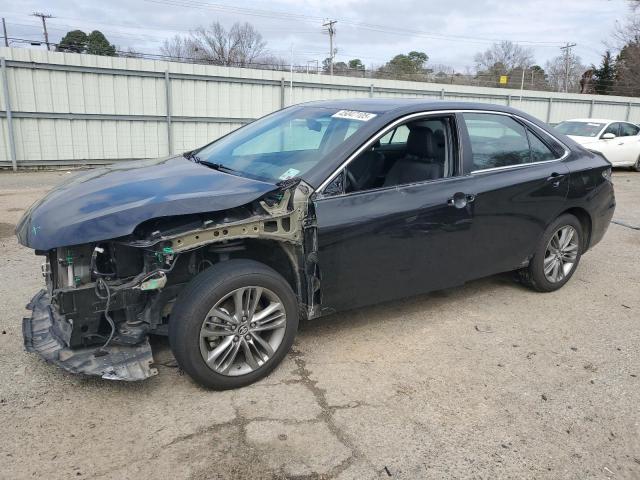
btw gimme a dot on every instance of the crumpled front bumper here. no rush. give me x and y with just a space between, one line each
119 363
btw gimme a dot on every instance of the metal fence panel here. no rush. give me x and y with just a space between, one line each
83 109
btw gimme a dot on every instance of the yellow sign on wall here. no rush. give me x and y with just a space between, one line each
503 79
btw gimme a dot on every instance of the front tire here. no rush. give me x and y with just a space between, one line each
556 257
233 324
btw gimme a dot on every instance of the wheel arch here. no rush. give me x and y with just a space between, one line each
585 222
281 257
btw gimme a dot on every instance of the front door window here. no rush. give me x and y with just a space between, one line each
416 151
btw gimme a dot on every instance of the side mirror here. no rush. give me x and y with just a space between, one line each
608 136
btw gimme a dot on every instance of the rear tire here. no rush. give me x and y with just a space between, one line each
557 256
233 324
636 167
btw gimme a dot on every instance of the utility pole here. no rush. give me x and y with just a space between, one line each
291 78
567 55
4 31
332 31
44 17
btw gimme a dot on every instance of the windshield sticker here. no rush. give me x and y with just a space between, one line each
292 172
593 124
353 115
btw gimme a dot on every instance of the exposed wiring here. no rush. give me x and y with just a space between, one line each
102 284
92 266
112 291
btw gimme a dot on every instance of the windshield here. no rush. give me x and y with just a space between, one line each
580 129
285 144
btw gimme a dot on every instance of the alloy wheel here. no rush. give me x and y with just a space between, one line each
561 254
242 331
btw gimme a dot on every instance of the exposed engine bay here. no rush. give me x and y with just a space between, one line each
104 298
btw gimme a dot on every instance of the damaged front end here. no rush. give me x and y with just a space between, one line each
104 298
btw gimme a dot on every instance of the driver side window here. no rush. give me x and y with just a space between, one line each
413 152
613 128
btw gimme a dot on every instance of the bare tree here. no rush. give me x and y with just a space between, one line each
504 56
271 62
241 45
560 68
627 69
249 45
442 68
178 47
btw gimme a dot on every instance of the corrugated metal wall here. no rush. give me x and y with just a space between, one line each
84 109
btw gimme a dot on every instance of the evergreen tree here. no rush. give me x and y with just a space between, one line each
356 64
74 41
97 44
605 75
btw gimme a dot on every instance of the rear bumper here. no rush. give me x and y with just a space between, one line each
117 362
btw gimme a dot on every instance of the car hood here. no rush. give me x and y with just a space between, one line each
110 202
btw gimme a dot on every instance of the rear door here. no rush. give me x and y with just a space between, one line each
520 186
630 140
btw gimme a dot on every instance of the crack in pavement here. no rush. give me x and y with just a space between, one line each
326 415
240 422
625 224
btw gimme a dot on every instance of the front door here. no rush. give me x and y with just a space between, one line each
612 148
404 230
392 242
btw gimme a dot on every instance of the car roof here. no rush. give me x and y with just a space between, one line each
406 105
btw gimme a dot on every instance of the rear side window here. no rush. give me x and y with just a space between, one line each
501 141
540 152
628 130
496 141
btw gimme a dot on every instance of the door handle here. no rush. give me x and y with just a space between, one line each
460 200
555 178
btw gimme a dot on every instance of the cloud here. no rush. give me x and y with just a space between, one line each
452 31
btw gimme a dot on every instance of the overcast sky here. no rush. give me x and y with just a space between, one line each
450 32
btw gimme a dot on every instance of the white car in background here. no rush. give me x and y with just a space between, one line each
619 142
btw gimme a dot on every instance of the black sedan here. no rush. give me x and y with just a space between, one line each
311 210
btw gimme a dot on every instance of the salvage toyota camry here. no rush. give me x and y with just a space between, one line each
314 209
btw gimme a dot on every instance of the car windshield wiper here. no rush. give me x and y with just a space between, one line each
216 166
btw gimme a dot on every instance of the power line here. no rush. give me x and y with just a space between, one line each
43 17
375 27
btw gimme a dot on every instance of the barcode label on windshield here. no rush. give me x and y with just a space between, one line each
353 115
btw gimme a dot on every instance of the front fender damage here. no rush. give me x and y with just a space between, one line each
104 298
